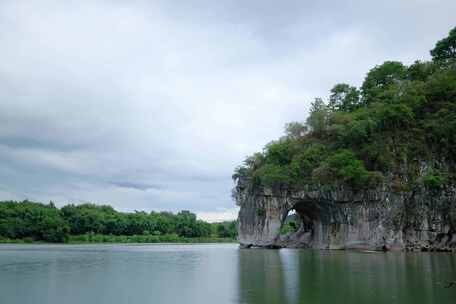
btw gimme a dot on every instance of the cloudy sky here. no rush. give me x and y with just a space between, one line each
150 105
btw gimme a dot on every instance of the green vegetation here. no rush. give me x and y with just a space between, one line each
399 119
29 222
434 181
290 225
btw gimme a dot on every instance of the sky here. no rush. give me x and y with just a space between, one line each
150 105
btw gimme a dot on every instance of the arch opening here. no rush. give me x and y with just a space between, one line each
290 223
298 225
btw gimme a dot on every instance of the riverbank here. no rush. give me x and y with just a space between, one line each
119 239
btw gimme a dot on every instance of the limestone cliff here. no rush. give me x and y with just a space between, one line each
380 219
372 167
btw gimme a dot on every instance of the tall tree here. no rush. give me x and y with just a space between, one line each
318 116
380 78
343 98
445 49
295 130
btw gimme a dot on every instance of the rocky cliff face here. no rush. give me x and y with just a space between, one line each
380 219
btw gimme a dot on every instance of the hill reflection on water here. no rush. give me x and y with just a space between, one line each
307 276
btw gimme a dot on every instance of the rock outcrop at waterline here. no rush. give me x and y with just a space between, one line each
372 167
380 219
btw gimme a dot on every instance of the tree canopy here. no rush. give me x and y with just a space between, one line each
445 49
400 117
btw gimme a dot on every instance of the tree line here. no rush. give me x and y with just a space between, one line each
31 221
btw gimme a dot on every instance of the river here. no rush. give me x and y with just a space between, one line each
219 273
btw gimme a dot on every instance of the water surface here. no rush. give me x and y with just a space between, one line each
219 273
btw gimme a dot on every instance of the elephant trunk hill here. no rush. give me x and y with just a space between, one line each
371 168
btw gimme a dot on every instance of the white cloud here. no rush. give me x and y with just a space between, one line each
219 216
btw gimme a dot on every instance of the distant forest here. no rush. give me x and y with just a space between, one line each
30 222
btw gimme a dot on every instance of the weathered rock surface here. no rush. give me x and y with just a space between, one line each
379 219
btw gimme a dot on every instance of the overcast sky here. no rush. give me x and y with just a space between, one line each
150 105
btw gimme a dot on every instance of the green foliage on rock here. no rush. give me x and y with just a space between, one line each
401 117
261 212
289 227
343 167
273 175
434 181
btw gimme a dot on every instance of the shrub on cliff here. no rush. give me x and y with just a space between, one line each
344 168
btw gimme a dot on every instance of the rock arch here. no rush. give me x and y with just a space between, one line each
343 219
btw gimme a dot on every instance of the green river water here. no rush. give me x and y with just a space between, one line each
219 273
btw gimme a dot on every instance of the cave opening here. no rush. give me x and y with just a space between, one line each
308 212
298 224
290 223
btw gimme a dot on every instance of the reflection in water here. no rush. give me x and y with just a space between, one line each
261 277
207 274
305 276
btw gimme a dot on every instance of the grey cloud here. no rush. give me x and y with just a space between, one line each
101 98
138 186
